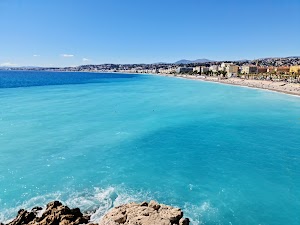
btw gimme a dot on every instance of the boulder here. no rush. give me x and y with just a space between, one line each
23 217
55 214
184 221
145 213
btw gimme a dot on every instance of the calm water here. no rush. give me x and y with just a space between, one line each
224 154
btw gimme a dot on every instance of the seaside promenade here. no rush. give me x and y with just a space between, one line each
278 86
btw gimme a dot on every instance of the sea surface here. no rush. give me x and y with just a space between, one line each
224 154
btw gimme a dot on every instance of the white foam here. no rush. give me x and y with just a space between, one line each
7 214
99 201
202 212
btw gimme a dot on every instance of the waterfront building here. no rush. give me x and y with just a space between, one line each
167 70
184 69
249 69
283 69
197 69
214 68
154 70
262 70
204 69
201 69
295 69
271 69
224 65
232 70
163 70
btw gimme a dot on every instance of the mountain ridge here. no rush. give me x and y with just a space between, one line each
186 61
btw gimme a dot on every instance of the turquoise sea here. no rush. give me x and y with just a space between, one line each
224 154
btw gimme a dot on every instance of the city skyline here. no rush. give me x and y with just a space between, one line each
64 33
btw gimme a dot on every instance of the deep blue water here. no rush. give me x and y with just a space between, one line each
224 154
13 79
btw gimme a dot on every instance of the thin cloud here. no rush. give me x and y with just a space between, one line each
67 55
85 59
8 64
36 55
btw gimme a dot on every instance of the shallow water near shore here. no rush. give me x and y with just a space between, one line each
224 154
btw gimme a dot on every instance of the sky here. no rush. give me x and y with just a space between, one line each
79 32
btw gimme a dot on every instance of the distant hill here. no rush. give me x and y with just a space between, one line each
185 61
243 60
160 63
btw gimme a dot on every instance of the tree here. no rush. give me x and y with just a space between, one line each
224 73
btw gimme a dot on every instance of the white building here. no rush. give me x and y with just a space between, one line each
224 65
232 70
184 69
214 68
197 69
167 70
204 69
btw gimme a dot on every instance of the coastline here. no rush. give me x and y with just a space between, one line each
145 213
276 86
267 85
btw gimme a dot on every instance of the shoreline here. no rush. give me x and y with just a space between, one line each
275 86
267 85
145 213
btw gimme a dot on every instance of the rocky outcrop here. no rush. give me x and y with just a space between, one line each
145 213
55 214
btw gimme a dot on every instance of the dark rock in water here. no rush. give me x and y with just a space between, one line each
55 214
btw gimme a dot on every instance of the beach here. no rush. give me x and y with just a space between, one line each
278 86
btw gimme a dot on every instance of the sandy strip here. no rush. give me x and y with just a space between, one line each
283 87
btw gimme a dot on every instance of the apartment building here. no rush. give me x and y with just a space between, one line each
249 69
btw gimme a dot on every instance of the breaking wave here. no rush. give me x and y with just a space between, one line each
98 201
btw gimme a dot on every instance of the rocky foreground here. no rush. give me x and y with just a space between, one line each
145 213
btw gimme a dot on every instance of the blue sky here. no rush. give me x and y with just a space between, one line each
75 32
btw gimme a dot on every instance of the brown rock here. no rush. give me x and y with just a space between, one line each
144 214
55 214
36 209
170 213
23 217
144 204
154 205
184 221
